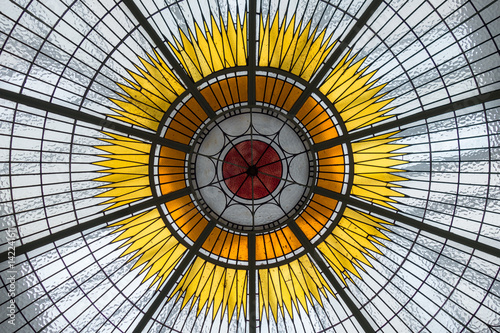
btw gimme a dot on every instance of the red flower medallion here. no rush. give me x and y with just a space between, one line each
252 169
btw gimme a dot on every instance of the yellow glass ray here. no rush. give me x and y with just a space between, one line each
224 289
356 99
374 162
154 246
346 248
289 285
291 48
145 101
127 181
203 53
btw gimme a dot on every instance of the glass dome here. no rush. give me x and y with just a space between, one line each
250 166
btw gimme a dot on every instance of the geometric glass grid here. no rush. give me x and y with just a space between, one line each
249 166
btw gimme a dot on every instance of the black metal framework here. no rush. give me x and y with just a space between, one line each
88 118
54 237
271 141
143 21
398 123
331 278
334 57
411 222
169 285
252 68
252 49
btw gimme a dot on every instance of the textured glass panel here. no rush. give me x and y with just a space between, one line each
419 278
451 172
428 59
84 283
49 178
155 176
73 63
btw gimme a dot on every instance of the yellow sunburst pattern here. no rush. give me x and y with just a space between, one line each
127 164
292 49
289 285
219 47
297 49
213 286
349 88
347 246
374 159
154 246
146 100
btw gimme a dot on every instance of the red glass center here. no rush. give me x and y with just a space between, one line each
252 169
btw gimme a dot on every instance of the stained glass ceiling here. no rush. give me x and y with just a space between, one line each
248 166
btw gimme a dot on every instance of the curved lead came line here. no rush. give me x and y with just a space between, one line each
102 220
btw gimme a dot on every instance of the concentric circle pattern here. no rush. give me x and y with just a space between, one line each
252 169
249 166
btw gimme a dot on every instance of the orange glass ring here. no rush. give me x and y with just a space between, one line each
173 170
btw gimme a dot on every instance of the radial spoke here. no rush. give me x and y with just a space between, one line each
179 70
216 159
339 50
273 140
329 276
98 221
393 215
252 47
88 118
395 124
173 277
252 283
288 181
220 181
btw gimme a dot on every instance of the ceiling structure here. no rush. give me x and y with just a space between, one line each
250 166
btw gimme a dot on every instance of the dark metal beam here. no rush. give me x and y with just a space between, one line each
252 284
96 222
88 118
252 68
339 50
330 276
395 124
173 277
394 215
252 50
172 60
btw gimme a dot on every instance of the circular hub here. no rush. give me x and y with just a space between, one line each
252 169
